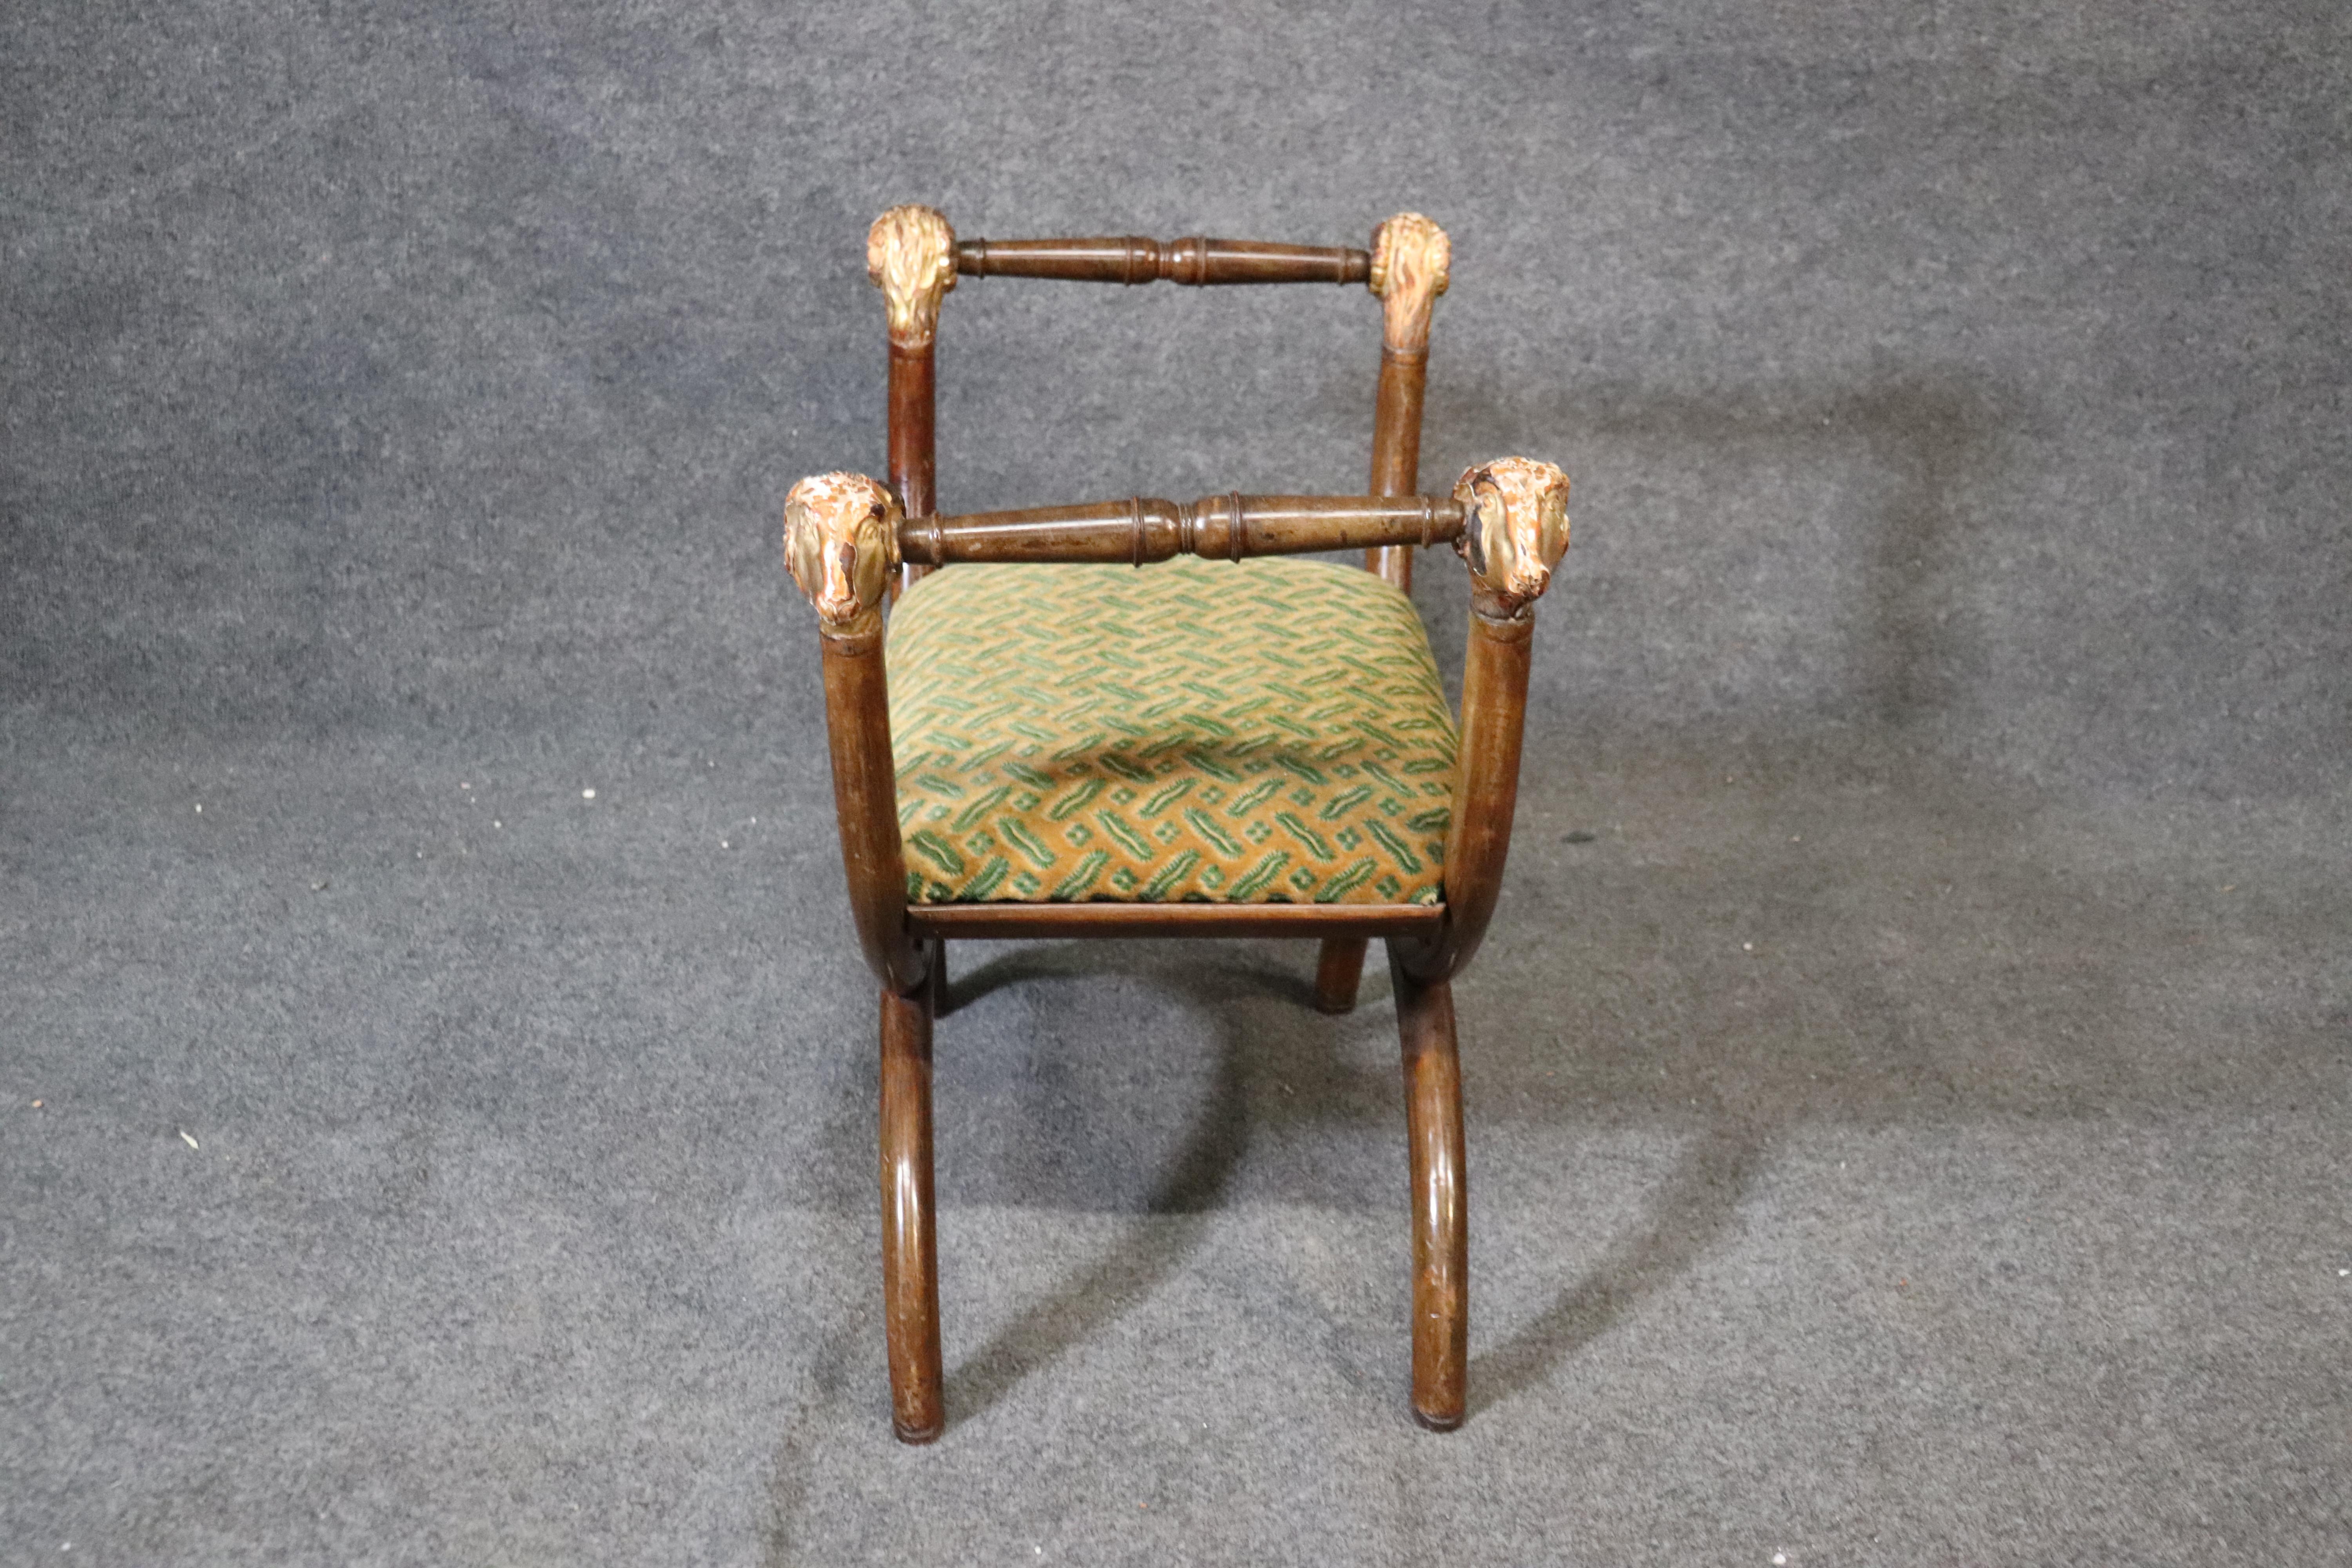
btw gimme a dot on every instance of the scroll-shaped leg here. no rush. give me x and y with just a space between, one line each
910 1282
1441 1215
1336 972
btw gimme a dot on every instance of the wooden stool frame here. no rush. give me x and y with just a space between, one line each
853 544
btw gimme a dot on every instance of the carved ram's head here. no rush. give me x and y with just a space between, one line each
841 543
1412 260
911 256
1516 527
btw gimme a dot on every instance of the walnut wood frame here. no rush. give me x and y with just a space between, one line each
844 532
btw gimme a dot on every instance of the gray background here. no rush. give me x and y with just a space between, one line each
1913 1129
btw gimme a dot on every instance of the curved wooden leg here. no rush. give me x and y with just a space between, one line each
911 1285
1441 1217
1336 972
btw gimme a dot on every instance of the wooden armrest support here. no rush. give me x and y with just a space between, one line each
866 802
841 547
1145 529
1514 533
1133 258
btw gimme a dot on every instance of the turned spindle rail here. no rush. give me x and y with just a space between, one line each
1132 259
1145 529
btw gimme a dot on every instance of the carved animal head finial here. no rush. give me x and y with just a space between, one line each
841 543
911 256
1411 258
1515 529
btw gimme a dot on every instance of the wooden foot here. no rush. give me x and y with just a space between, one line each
1441 1218
1336 972
910 1288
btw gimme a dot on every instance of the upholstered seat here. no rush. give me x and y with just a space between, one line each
1255 731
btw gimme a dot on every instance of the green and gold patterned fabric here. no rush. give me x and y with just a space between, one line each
1259 731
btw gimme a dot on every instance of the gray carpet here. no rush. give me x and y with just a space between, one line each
1911 1127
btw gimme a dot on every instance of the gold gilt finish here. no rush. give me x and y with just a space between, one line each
911 256
840 541
1515 528
1411 258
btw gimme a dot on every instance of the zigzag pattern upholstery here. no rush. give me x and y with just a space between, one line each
1262 731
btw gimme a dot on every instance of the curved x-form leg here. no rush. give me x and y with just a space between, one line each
910 1281
1441 1216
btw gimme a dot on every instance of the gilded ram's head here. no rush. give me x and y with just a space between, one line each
911 256
841 543
1412 260
1514 527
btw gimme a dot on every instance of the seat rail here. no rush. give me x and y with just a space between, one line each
1014 922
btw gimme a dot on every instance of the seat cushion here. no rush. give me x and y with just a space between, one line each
1259 731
